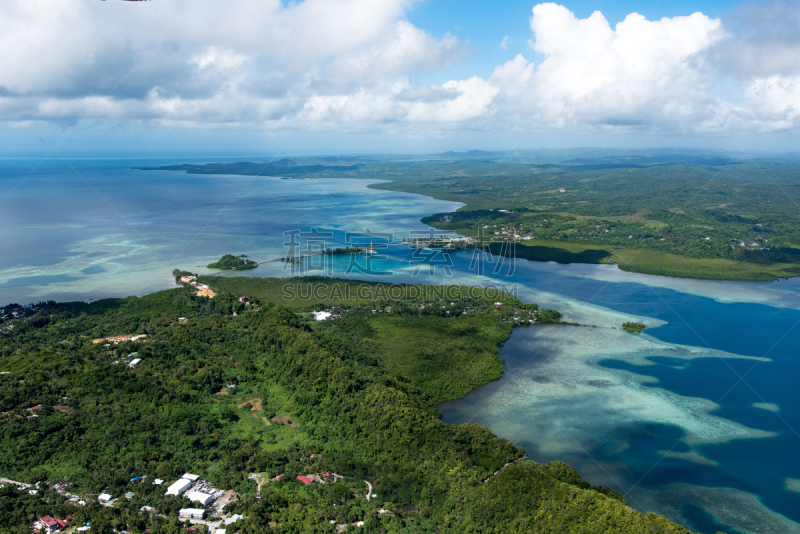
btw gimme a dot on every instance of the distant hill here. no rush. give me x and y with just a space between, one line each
282 167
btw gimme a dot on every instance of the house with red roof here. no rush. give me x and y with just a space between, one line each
52 524
306 480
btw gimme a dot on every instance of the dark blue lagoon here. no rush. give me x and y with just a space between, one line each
696 418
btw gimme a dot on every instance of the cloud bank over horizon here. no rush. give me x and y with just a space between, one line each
355 65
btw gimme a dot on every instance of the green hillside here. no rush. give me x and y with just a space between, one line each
361 392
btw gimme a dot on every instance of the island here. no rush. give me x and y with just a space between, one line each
676 213
229 262
287 405
633 328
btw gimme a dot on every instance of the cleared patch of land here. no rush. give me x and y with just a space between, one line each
203 292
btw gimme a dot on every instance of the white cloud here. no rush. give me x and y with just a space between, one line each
271 62
775 102
515 77
654 76
350 65
636 73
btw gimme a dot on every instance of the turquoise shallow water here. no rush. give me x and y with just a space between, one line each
696 418
62 223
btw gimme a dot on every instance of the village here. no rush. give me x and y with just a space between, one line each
15 312
209 502
209 510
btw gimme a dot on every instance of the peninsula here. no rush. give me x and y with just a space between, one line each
250 409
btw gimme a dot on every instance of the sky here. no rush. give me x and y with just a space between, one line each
204 77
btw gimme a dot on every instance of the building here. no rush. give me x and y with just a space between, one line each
51 524
322 316
306 480
179 487
189 476
203 498
134 362
104 497
191 513
233 519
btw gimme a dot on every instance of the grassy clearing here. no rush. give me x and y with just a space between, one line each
274 401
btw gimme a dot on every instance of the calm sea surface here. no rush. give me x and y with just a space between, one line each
697 418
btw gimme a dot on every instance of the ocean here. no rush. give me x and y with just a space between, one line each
696 418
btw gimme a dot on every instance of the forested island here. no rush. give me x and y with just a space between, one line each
229 262
634 328
677 213
310 425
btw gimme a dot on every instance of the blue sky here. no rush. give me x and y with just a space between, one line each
189 77
486 26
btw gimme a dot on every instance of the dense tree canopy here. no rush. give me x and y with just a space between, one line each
362 394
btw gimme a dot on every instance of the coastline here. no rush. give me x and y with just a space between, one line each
642 260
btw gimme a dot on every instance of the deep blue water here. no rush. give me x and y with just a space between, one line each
97 228
757 466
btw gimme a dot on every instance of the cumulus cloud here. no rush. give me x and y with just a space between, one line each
168 60
351 65
635 73
775 101
655 76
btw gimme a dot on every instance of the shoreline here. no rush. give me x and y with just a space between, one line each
571 252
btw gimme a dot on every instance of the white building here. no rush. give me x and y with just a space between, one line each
179 487
191 513
135 362
203 498
321 316
189 476
233 519
104 497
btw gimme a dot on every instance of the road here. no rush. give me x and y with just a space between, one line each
269 261
369 491
507 465
9 481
